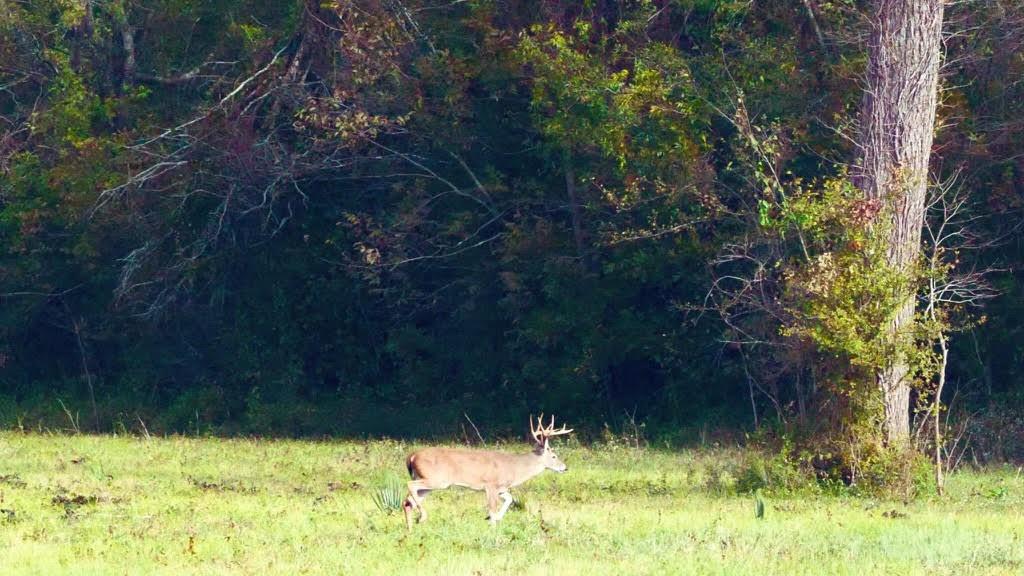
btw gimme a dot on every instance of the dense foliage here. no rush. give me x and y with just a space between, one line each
373 216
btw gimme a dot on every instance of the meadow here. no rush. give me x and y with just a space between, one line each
99 505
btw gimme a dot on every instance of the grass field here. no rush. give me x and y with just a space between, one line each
123 505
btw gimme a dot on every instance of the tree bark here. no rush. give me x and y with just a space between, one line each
897 125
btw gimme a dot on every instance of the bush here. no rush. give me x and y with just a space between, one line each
777 473
866 467
900 472
8 411
202 407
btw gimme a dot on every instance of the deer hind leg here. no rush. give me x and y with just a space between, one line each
407 507
417 491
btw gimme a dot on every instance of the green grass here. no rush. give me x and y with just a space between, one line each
123 505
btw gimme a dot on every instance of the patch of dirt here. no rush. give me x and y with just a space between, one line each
12 480
343 486
222 486
71 502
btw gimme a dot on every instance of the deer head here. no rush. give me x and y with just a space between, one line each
542 448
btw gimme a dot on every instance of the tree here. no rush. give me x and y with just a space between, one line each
897 126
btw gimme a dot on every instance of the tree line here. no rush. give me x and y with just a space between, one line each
384 216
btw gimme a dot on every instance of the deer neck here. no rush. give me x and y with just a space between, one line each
530 464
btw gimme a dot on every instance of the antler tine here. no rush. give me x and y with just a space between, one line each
550 431
560 431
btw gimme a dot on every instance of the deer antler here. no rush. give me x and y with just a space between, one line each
541 432
536 431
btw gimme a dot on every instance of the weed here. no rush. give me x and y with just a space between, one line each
390 496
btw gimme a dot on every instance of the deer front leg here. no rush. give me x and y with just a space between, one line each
492 505
506 501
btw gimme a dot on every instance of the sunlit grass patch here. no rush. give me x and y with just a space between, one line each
106 505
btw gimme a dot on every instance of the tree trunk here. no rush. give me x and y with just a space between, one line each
897 125
812 17
128 43
575 211
940 480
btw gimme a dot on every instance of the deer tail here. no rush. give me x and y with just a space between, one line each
410 465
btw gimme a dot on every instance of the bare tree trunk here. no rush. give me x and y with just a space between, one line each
76 328
87 18
940 480
82 35
128 41
574 209
897 125
809 7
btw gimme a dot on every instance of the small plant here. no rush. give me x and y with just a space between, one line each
758 505
390 496
997 493
519 501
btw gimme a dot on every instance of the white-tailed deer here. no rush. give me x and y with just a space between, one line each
493 472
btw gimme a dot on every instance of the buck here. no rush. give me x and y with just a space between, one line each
487 470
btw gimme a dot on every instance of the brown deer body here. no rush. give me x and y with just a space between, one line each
495 473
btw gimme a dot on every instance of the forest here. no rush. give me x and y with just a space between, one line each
794 224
